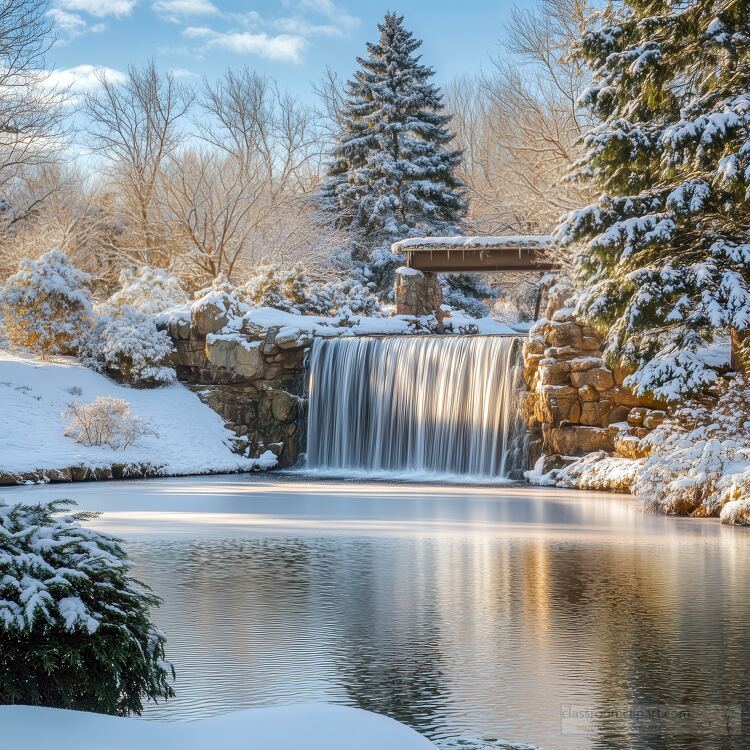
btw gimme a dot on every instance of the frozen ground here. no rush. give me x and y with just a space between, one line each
302 727
191 438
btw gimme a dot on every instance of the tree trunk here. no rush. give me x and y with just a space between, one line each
738 360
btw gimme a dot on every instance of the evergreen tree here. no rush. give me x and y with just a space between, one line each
392 174
665 253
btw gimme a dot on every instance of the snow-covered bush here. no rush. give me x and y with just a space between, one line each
46 304
105 421
293 291
74 626
149 290
273 286
129 348
700 456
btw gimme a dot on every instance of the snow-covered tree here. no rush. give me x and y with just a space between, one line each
46 304
665 252
393 172
129 348
149 290
74 626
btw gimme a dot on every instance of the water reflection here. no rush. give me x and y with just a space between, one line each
466 613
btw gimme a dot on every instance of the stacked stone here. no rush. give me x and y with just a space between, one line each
576 404
418 294
253 377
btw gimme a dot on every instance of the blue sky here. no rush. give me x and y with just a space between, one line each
291 40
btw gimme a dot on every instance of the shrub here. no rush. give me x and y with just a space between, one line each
105 421
129 348
149 290
74 626
699 453
293 291
46 305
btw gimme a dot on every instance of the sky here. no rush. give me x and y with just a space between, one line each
291 40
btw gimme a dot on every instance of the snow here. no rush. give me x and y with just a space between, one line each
297 727
34 393
479 242
359 325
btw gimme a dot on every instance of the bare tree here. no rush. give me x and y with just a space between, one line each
243 198
520 123
134 127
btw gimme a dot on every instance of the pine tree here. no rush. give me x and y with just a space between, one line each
392 174
665 253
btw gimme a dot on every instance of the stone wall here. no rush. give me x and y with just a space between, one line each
255 379
576 404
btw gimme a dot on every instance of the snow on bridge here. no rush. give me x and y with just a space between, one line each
461 254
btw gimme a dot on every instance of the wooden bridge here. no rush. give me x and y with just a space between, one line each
465 254
418 289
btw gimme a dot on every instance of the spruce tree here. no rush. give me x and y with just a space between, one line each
392 173
665 253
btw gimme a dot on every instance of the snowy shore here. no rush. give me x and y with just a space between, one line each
302 727
190 437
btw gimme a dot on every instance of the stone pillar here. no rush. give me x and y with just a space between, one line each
418 293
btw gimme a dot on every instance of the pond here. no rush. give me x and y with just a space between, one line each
501 616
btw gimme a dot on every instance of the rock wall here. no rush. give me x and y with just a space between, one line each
576 404
255 379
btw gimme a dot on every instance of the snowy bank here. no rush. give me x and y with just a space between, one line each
191 438
303 727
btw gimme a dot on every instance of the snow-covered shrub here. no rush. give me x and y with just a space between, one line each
293 291
129 348
46 304
700 455
149 290
74 626
273 286
105 421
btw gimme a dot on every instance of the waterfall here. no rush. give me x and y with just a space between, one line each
416 405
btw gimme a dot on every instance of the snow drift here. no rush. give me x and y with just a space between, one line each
303 727
191 438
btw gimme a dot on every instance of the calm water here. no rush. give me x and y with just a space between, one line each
476 615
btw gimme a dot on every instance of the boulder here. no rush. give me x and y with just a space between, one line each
283 405
600 378
8 480
636 416
553 372
588 393
589 343
630 446
239 357
563 334
581 364
210 314
653 418
576 440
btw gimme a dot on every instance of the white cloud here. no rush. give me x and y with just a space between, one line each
99 8
182 73
72 25
285 47
82 79
331 11
175 9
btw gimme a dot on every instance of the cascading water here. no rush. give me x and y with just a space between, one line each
416 405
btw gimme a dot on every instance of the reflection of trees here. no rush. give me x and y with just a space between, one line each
653 630
488 633
389 653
